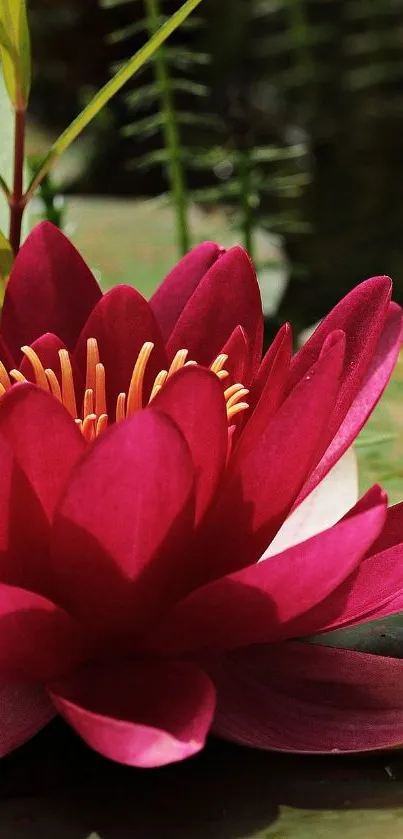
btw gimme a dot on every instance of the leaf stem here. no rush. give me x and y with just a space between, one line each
16 201
171 132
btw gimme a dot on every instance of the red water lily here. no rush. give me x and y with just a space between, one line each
132 598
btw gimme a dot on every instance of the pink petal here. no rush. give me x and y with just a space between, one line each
38 640
375 590
264 480
280 348
174 293
142 713
121 532
376 378
227 296
24 710
272 599
43 438
306 698
267 392
122 322
238 364
392 533
193 398
50 289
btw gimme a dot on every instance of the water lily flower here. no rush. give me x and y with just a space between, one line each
167 529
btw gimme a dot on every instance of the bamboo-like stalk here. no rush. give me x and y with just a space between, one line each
171 132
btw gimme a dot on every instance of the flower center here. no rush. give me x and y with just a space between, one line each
93 416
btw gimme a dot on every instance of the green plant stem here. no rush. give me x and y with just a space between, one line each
16 201
105 94
245 172
4 188
171 132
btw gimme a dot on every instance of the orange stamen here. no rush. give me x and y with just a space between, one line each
17 376
4 377
178 362
237 409
121 407
218 363
102 424
37 366
100 390
88 407
236 397
54 384
159 382
88 427
135 395
92 361
68 393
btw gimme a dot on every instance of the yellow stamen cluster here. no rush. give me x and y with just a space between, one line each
94 414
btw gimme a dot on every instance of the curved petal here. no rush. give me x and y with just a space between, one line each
238 364
50 289
122 322
173 294
24 710
38 640
272 600
263 482
121 531
392 533
305 698
43 438
268 393
227 296
193 398
142 713
376 378
327 503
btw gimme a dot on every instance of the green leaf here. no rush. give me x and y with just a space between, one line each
15 51
383 636
108 91
6 263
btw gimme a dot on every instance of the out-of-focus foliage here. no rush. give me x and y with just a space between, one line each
289 113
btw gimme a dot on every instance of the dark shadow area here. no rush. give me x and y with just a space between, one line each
56 787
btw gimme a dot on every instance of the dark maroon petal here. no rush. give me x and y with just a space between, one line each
24 710
38 640
44 439
142 713
307 698
47 348
50 289
194 399
174 292
273 599
122 322
376 378
264 480
227 296
121 532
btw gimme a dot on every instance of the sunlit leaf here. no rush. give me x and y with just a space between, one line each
15 50
6 263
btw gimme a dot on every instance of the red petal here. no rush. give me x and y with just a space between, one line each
50 289
122 322
122 528
38 640
143 713
265 480
376 378
44 439
306 698
193 398
280 348
173 294
227 296
392 533
269 600
24 710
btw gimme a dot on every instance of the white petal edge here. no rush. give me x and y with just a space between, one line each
322 508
